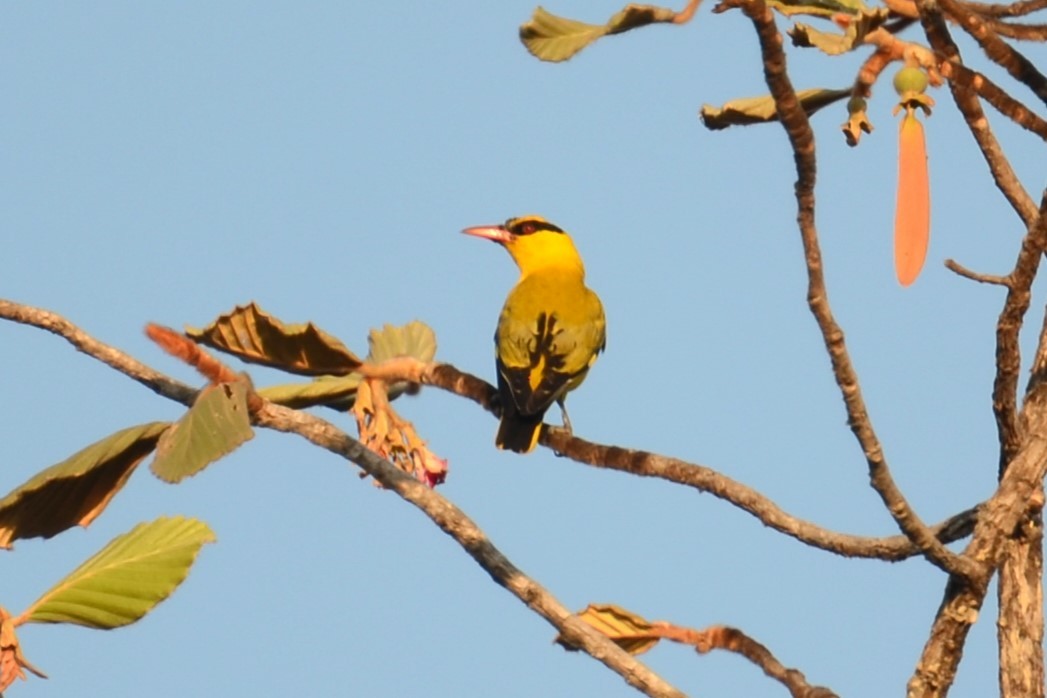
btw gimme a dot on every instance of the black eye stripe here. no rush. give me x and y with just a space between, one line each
526 226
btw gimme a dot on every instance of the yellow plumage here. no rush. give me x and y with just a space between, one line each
549 332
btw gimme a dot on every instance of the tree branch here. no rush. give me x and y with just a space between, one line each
441 511
467 534
999 522
963 93
998 50
1008 328
447 377
801 138
1010 9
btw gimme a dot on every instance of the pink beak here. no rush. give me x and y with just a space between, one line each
498 233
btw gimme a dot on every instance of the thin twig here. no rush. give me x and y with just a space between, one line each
801 138
1010 9
954 266
1017 30
967 102
998 50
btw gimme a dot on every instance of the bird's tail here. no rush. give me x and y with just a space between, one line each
518 432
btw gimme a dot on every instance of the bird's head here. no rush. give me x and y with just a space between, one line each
533 242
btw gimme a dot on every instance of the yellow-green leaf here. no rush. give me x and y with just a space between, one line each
127 578
834 44
628 630
413 339
254 336
552 38
325 390
758 110
214 426
78 489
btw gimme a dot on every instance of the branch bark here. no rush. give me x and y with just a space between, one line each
801 138
966 100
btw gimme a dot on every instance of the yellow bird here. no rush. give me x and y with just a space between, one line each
550 331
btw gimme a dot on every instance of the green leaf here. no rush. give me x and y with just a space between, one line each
78 489
254 336
413 339
215 426
127 578
758 110
555 39
325 390
834 44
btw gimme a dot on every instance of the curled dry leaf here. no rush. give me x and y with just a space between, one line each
628 630
255 336
12 662
392 437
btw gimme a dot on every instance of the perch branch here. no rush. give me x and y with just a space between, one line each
441 511
447 377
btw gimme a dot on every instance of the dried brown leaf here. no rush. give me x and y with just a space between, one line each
628 630
254 336
12 662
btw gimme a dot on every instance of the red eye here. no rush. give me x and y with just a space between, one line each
528 228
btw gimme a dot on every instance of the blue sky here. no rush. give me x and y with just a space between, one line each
164 162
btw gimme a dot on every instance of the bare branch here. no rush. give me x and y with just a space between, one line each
644 464
1018 30
721 637
801 138
1011 9
1008 327
999 522
998 50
